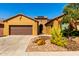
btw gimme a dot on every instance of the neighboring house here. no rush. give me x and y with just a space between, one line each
1 28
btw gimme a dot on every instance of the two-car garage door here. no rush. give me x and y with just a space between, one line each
20 30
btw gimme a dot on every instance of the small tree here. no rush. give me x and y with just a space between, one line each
72 14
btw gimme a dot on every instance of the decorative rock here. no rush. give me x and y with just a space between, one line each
41 42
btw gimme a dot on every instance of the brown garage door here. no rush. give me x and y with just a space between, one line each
1 29
20 30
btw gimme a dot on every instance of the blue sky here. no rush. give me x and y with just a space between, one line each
31 9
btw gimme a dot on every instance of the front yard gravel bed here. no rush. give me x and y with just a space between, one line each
73 45
33 47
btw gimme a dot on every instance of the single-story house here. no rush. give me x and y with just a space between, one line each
24 25
20 25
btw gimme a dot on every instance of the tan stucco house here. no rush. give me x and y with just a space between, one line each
20 25
55 22
24 25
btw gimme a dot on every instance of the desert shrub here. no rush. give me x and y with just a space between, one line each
67 32
61 42
75 33
57 37
39 41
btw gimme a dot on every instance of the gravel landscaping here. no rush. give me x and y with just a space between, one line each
73 45
33 47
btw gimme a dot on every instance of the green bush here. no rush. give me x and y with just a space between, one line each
67 32
61 42
75 33
57 37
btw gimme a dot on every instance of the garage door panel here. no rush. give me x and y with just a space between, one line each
21 30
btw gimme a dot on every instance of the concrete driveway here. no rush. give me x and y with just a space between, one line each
14 45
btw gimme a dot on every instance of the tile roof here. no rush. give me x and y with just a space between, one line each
19 15
54 19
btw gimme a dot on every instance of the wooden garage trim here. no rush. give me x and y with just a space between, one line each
20 26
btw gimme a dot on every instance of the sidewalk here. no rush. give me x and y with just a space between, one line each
60 53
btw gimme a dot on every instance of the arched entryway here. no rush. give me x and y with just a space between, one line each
40 28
